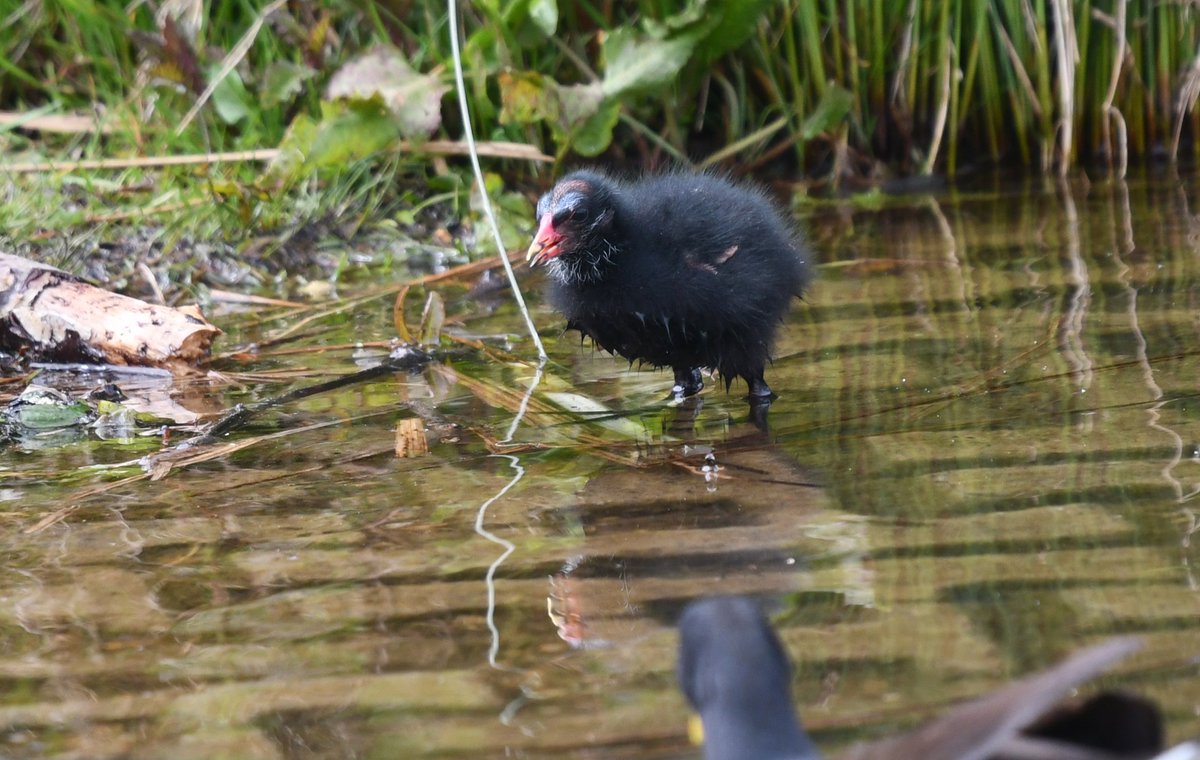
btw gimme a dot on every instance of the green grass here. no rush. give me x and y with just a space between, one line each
865 88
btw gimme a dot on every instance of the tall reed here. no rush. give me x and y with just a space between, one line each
934 85
916 86
939 85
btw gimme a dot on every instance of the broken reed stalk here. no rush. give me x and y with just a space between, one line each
939 122
495 149
1066 56
1188 93
1111 115
1046 83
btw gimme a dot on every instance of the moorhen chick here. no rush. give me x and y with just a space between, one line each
679 270
736 675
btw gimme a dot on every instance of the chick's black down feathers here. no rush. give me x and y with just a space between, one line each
735 673
678 270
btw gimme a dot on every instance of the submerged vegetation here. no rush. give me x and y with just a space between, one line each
338 97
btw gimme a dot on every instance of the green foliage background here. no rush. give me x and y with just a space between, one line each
688 77
828 89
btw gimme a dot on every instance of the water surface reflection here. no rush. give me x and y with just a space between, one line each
983 456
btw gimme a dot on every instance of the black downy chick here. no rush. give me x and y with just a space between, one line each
737 676
686 271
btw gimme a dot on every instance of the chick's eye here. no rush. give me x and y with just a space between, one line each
574 215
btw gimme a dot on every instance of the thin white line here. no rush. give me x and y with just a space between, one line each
524 407
509 548
469 134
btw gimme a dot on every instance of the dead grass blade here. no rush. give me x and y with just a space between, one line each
140 163
538 413
158 466
63 123
463 270
228 64
519 151
398 315
228 296
75 502
141 213
1018 67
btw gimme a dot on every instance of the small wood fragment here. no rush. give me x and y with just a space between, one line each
410 438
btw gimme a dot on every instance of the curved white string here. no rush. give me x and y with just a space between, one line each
509 548
524 407
469 134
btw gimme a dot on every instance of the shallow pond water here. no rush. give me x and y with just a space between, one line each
985 454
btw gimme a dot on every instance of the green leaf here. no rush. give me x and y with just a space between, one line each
588 410
578 114
481 54
544 14
634 61
358 130
514 215
738 20
43 408
348 130
526 97
232 101
414 99
293 148
50 417
578 103
830 111
283 81
694 12
594 136
432 319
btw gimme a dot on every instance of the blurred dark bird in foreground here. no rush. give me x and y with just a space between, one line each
736 675
681 270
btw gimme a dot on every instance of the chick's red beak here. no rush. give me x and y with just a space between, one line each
545 245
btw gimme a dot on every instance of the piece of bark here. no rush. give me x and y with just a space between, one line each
410 438
56 316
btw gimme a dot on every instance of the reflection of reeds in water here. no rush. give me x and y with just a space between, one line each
760 529
983 457
1010 403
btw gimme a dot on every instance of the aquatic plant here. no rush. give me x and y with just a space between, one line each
845 90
